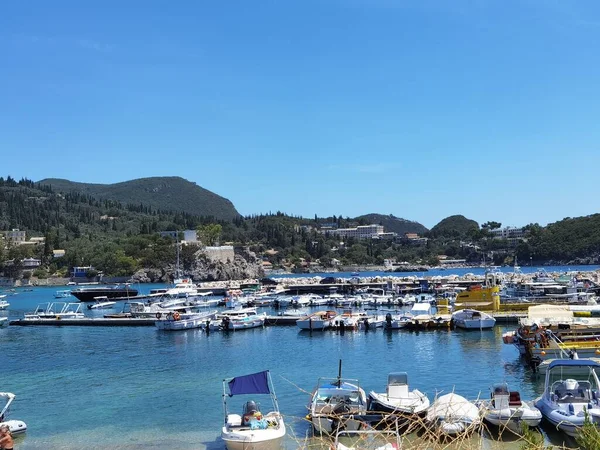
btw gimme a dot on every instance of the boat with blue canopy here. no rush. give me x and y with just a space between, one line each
253 429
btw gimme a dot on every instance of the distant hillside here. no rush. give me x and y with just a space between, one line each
453 226
163 193
393 223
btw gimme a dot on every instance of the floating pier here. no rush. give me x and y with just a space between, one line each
86 322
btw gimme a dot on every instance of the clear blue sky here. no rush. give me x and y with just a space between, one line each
421 109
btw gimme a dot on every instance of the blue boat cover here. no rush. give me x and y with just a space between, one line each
574 362
256 383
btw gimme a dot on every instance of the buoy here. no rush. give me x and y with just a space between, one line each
543 353
598 351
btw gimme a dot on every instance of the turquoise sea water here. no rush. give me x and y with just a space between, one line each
133 388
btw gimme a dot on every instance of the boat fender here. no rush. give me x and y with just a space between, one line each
176 316
158 315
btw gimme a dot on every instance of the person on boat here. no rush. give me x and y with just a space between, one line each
6 440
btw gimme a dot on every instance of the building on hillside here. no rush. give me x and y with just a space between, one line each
31 263
359 232
512 234
187 235
58 253
15 236
414 239
81 271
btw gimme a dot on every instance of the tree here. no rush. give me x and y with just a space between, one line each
210 234
491 225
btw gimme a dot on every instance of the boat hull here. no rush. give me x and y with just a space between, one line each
248 439
90 294
15 426
475 324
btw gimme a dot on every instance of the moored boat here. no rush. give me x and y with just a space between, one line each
398 399
570 394
453 415
317 321
505 409
89 294
471 319
184 321
15 426
253 429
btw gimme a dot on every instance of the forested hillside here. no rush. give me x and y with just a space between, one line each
160 193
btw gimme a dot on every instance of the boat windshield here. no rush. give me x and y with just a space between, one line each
573 384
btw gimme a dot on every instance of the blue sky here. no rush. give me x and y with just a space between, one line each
421 109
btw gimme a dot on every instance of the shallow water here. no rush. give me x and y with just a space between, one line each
82 387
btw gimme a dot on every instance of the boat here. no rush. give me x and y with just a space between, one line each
62 293
317 321
334 403
471 319
396 322
89 294
15 426
570 391
3 303
369 439
505 409
184 321
253 429
55 311
453 415
397 398
101 303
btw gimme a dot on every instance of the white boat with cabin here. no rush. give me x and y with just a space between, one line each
184 321
317 321
253 429
471 319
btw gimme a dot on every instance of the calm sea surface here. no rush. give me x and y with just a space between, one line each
133 388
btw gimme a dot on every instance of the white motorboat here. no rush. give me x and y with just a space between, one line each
471 319
318 321
3 303
570 391
56 311
101 303
184 321
368 439
242 323
453 415
505 409
238 319
65 293
397 322
398 399
15 426
335 403
252 430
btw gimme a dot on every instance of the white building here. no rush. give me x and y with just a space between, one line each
15 236
360 232
512 234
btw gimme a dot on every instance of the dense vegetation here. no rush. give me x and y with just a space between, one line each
160 193
393 223
120 237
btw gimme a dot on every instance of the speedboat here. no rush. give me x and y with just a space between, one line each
368 439
505 409
398 399
453 415
570 393
15 426
396 322
252 430
184 321
3 303
101 303
471 319
318 321
334 403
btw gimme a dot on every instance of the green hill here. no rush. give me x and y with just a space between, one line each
393 223
453 226
162 193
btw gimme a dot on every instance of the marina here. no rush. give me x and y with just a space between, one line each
98 360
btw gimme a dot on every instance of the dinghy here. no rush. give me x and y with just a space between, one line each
453 415
15 426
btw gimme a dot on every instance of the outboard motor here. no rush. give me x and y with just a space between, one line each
226 323
388 320
367 325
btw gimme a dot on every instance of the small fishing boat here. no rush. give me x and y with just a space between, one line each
570 393
184 321
471 319
318 321
505 409
252 430
368 439
398 399
15 426
453 415
101 303
334 403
